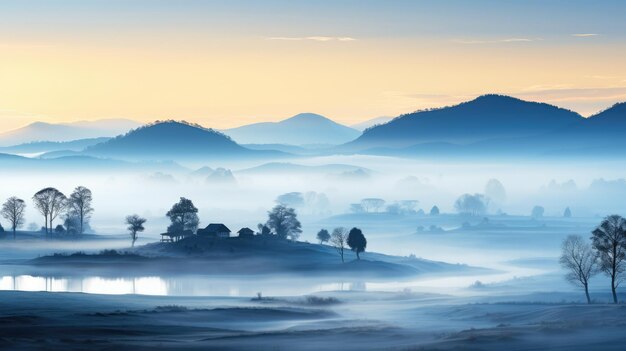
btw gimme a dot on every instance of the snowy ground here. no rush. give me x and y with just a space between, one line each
337 320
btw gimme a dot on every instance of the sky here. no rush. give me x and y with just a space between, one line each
229 63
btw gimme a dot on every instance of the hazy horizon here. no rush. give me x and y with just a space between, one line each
227 64
305 111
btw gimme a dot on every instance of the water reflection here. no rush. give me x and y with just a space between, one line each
197 285
177 286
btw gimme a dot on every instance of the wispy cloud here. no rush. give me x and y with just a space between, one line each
496 41
313 38
575 94
585 35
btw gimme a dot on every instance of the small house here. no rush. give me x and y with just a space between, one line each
215 230
245 232
175 236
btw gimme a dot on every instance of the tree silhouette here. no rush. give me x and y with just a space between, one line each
13 211
580 261
338 239
79 203
50 202
537 212
356 241
609 240
135 225
323 236
434 211
184 216
473 205
567 213
284 222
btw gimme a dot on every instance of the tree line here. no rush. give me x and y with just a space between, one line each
342 238
605 253
75 209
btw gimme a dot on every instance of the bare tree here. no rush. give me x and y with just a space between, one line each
80 204
13 211
50 202
338 239
135 225
580 261
609 240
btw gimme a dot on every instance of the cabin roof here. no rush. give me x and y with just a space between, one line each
217 228
245 230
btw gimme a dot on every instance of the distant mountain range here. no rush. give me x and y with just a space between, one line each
171 140
301 129
41 131
488 126
37 147
498 126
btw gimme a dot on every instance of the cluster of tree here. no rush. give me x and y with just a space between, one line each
432 228
342 238
282 222
606 253
183 216
538 212
368 205
402 207
75 210
472 205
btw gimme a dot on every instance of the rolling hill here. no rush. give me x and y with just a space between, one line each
486 117
302 129
599 136
171 140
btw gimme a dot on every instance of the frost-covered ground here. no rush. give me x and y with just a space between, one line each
333 320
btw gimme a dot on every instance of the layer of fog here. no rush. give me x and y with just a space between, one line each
244 201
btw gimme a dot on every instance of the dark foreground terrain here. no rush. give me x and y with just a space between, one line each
406 321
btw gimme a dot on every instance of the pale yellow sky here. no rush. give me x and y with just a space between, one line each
222 79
